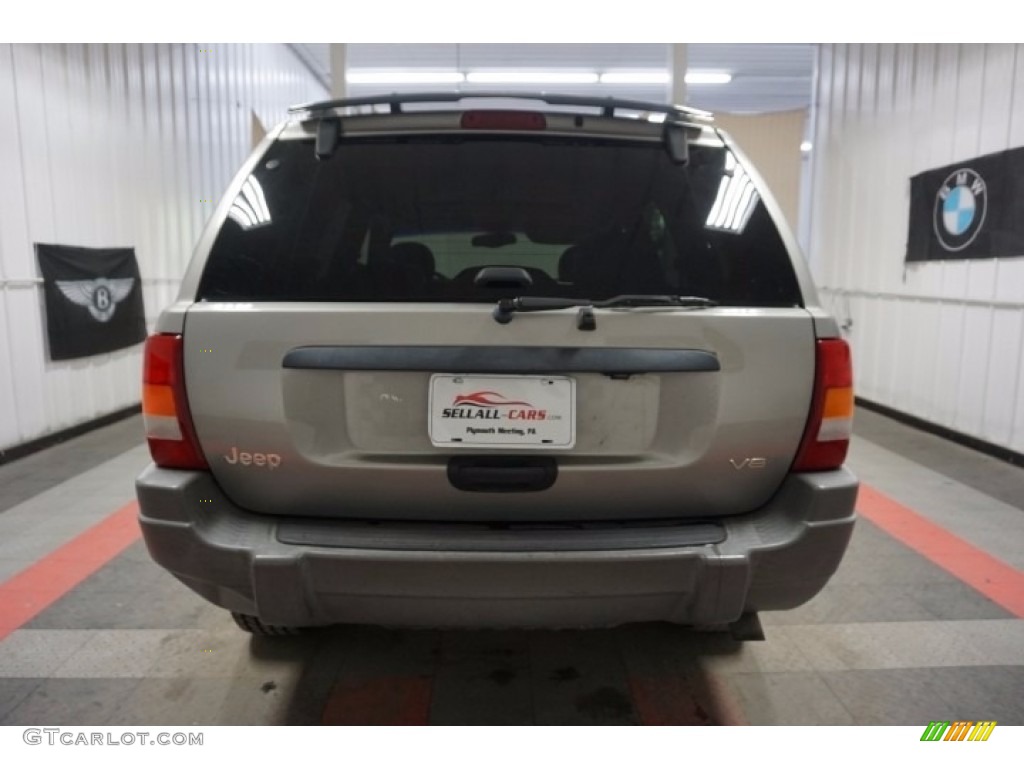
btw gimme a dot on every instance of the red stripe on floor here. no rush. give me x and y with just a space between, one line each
28 593
999 582
673 700
666 701
380 701
725 707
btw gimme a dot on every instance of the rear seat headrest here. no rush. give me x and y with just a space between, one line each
415 255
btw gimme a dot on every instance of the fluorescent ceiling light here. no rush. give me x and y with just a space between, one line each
532 77
403 78
708 78
635 78
805 146
651 77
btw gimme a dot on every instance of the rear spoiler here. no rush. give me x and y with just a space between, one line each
609 106
677 118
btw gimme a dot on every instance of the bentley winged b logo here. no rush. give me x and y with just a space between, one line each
101 296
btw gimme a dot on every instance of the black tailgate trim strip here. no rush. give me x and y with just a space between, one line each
475 537
553 360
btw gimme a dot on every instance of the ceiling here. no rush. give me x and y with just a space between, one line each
765 77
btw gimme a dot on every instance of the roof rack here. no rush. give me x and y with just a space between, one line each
608 105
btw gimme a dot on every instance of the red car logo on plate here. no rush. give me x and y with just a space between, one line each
487 400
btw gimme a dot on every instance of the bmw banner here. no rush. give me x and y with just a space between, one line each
969 210
93 299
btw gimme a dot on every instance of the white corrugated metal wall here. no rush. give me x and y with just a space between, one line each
943 341
115 145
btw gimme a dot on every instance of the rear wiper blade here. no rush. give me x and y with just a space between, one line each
643 300
506 308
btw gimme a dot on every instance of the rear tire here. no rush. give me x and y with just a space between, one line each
256 627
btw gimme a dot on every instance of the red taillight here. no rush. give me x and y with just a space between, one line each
827 435
172 440
496 120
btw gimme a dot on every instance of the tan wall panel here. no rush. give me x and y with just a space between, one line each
772 141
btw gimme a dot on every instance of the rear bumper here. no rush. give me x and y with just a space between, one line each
775 558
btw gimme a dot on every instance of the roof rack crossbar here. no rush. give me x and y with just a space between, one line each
607 105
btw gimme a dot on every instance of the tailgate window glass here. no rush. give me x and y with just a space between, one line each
415 219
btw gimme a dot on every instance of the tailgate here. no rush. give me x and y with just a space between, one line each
648 427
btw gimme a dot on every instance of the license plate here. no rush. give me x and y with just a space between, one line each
502 411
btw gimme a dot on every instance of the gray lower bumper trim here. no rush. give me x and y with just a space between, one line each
467 537
775 558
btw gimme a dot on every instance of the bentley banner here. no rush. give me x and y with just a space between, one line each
93 299
968 210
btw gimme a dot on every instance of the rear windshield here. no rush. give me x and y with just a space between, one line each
416 219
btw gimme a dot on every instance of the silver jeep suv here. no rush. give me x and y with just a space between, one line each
464 360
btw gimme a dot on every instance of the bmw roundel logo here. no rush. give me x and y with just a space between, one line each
960 208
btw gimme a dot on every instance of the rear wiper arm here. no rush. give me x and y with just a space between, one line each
506 308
